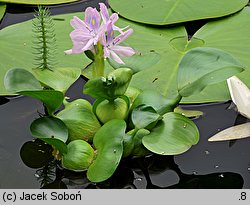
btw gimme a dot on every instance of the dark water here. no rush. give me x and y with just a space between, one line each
206 165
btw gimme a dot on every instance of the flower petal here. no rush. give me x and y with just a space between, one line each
123 51
92 18
77 23
80 35
123 36
104 12
116 57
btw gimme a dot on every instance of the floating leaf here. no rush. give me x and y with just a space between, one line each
108 143
17 80
204 66
137 62
162 12
59 79
144 116
157 101
20 81
138 149
175 134
51 130
232 133
79 156
52 99
80 120
2 10
188 113
37 2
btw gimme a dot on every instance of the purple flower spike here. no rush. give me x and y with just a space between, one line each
112 49
107 19
87 33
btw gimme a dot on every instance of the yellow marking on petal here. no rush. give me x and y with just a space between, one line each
112 33
93 22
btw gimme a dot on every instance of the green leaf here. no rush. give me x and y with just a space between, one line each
188 112
111 87
79 156
18 79
162 12
109 146
80 120
144 116
52 99
232 133
157 101
59 79
175 134
204 66
2 10
37 2
139 150
137 62
52 131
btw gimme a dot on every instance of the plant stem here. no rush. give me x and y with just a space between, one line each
98 63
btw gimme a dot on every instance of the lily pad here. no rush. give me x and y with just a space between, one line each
109 146
164 12
2 10
51 130
37 2
175 134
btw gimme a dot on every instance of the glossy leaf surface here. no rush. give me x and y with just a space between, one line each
59 79
80 120
205 66
2 10
163 12
108 143
51 130
175 134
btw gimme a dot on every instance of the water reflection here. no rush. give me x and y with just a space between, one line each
51 175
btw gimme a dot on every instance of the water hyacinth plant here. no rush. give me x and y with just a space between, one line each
96 36
123 121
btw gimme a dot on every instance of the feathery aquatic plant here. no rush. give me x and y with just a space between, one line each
44 43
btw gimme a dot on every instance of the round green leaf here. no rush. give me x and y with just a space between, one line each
175 134
51 130
164 12
109 146
80 120
18 79
79 156
37 2
59 78
204 66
